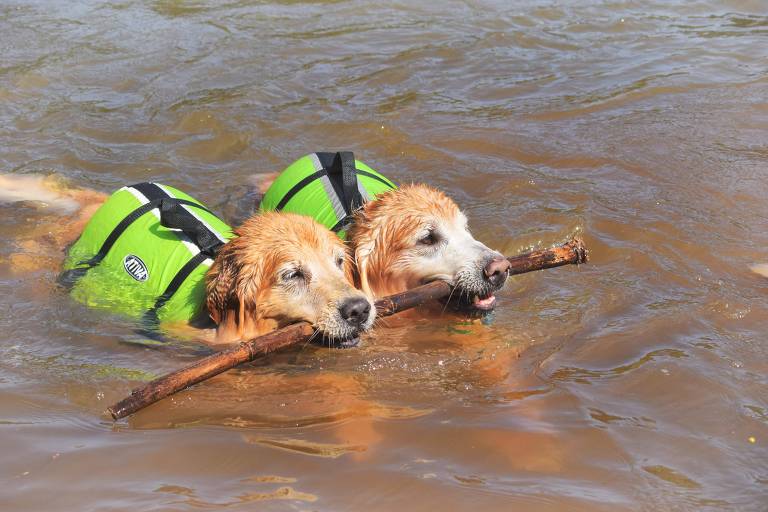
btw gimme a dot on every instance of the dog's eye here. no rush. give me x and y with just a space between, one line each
431 238
294 274
340 262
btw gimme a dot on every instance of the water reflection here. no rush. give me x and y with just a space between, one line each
636 382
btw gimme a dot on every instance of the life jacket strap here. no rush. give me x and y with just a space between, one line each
70 277
150 316
174 216
344 165
343 176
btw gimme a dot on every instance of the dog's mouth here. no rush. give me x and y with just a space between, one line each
466 302
471 292
476 303
326 340
486 303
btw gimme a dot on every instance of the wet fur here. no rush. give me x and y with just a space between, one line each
384 228
65 212
387 256
247 293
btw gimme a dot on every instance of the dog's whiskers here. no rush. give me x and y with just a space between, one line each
309 340
445 306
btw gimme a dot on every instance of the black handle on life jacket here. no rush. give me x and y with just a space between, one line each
174 216
344 164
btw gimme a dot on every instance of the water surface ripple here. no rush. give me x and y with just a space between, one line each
637 382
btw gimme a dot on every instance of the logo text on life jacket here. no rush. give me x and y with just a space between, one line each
135 268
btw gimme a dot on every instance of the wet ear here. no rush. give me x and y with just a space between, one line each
220 287
239 282
232 289
363 264
349 269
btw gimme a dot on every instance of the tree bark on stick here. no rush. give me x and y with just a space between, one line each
572 252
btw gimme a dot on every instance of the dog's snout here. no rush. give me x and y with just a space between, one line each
355 311
496 271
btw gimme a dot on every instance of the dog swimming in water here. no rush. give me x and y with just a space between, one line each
151 251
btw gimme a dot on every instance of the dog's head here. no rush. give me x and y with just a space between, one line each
283 268
416 234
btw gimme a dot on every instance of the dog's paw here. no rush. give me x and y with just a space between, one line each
262 182
39 191
761 268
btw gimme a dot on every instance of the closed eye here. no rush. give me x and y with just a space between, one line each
294 274
431 238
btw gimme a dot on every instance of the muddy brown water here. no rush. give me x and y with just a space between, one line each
636 382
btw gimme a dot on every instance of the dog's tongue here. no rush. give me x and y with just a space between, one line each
485 303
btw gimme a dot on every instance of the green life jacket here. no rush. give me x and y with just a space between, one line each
145 253
328 187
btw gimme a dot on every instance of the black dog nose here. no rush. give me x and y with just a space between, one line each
496 271
355 311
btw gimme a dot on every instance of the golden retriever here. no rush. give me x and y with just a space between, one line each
416 234
279 269
283 268
406 237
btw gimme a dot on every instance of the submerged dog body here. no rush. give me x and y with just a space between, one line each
279 268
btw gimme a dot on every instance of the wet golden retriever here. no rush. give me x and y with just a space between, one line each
283 268
416 234
413 235
279 269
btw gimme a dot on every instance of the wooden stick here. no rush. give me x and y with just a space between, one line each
572 252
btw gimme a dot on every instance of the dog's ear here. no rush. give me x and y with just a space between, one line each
350 269
363 263
220 286
233 289
363 236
